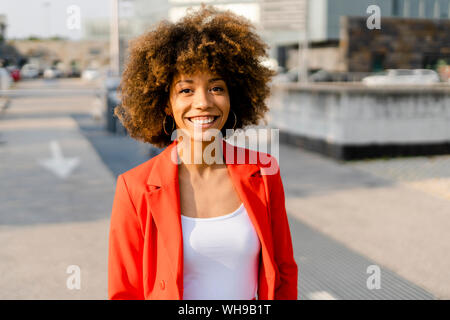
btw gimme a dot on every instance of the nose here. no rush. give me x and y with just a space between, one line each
201 99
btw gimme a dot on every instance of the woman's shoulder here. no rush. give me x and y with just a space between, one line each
138 175
268 163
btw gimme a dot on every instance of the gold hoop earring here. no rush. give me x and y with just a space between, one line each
164 125
235 119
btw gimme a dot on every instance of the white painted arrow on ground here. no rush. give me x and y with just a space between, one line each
57 164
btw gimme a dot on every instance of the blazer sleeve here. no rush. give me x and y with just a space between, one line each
125 280
286 288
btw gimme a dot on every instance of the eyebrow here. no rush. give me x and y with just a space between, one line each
192 81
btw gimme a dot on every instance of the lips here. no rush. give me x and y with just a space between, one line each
203 121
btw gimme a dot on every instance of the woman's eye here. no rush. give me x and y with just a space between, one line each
214 89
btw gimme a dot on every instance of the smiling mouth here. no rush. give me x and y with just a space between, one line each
203 121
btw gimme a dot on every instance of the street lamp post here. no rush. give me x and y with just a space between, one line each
303 46
422 8
114 38
437 10
48 17
407 8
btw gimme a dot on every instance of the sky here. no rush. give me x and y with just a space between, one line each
34 17
44 18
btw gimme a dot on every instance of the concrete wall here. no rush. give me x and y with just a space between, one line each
354 115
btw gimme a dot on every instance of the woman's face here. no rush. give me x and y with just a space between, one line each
199 102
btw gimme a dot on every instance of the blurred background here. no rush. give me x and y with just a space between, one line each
361 99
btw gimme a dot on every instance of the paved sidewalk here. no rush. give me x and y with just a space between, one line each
362 207
48 223
428 174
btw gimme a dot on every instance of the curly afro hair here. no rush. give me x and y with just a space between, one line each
208 39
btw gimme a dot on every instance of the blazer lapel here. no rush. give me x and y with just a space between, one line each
164 206
163 199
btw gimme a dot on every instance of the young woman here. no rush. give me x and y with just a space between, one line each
182 226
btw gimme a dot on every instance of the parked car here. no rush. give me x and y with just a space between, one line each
14 72
5 79
403 77
90 74
287 76
314 75
53 72
321 76
29 71
74 73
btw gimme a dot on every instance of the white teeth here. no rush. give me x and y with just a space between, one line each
202 121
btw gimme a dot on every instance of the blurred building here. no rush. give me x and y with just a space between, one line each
44 53
402 43
337 43
2 27
135 17
66 54
412 35
9 55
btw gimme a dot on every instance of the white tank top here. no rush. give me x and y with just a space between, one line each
221 257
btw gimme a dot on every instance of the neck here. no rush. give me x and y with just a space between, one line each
200 157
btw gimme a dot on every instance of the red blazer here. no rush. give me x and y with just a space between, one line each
145 240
